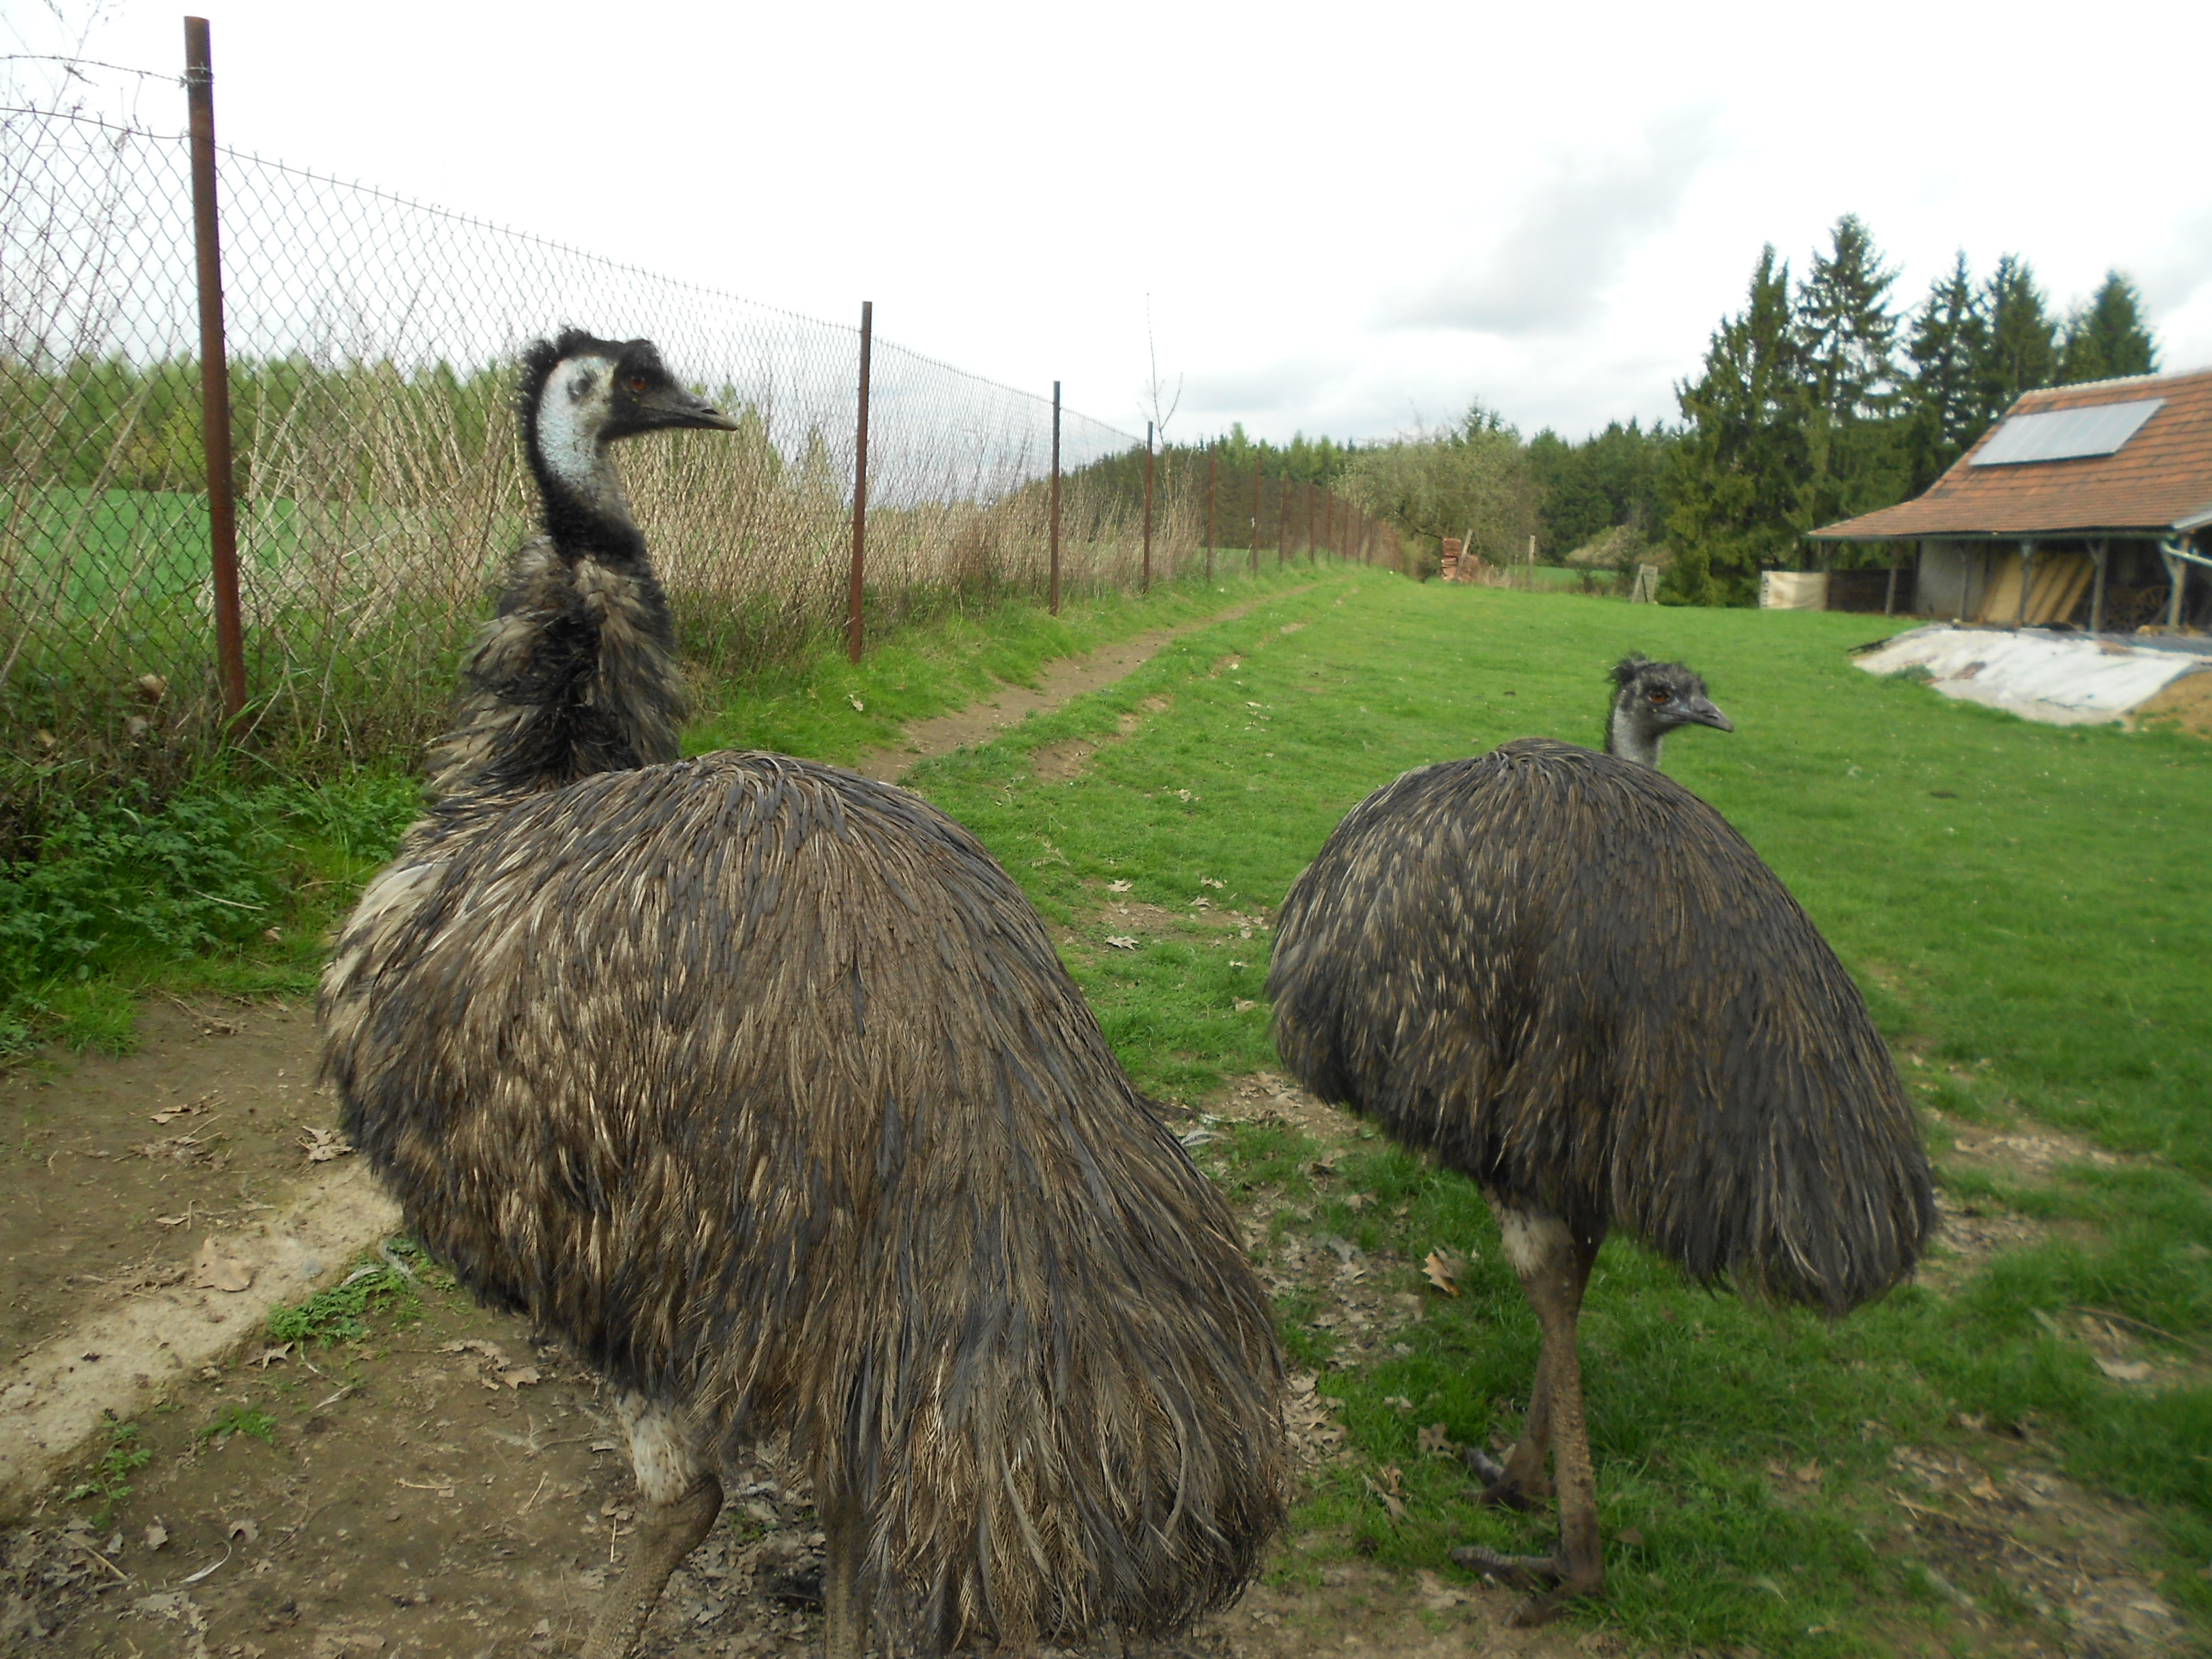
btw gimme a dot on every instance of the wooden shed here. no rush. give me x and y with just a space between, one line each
2087 505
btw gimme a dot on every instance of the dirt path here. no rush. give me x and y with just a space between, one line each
1062 681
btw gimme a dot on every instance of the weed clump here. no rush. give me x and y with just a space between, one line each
341 1313
109 1483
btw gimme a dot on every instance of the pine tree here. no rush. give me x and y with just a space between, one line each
1740 470
1943 400
2019 350
1848 330
1848 334
2107 338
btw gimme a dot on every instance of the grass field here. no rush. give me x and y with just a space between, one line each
2004 894
2012 899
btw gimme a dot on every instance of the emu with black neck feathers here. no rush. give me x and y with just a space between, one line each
759 1085
1566 977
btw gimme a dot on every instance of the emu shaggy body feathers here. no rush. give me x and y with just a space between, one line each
760 1084
1571 980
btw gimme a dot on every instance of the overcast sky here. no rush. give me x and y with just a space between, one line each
1347 218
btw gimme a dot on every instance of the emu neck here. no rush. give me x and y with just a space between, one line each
576 673
586 510
1631 739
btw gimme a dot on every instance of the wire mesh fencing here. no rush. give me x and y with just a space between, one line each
378 480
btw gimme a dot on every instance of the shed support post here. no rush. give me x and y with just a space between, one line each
2097 550
2178 570
2026 574
1889 594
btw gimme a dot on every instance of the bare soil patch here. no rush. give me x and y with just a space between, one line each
2000 1526
2185 705
119 1169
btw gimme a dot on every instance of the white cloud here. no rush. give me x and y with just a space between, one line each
1576 230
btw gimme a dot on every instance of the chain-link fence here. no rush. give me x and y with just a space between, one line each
378 480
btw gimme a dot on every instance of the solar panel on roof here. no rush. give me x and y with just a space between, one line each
2064 434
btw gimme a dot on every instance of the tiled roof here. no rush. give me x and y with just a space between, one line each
2160 478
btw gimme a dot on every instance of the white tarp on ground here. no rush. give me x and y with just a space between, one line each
2063 679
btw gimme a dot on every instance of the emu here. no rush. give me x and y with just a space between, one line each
759 1085
1566 977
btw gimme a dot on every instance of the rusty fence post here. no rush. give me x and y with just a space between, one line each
1255 515
1282 522
1210 457
215 372
860 483
1145 585
1055 498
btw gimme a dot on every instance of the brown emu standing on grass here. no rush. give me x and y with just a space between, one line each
1568 978
760 1085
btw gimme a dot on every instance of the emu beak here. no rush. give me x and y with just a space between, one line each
672 406
1702 712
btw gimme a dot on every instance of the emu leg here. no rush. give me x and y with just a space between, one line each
1554 1267
844 1585
681 1499
1518 1482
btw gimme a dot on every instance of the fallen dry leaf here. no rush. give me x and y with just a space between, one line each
1437 1439
475 1345
213 1271
156 1535
858 707
1393 1505
1117 886
1245 1004
269 1357
520 1376
1208 881
323 1144
2124 1371
1444 1268
1810 1474
171 1113
1121 941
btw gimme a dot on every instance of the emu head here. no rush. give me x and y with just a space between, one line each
1653 698
578 395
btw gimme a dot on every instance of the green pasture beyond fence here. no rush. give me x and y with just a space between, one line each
378 486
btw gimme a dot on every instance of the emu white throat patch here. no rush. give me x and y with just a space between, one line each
572 414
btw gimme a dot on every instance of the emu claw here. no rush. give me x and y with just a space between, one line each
1499 1490
1529 1572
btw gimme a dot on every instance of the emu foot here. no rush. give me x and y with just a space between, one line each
1502 1487
1529 1572
1552 1578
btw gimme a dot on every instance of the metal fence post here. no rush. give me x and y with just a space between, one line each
215 372
860 483
1055 498
1210 457
1145 585
1255 515
1282 522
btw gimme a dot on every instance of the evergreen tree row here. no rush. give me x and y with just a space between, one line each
1820 400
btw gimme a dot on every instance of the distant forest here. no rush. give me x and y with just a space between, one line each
1821 399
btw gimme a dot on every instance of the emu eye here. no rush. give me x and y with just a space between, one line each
1661 696
637 383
